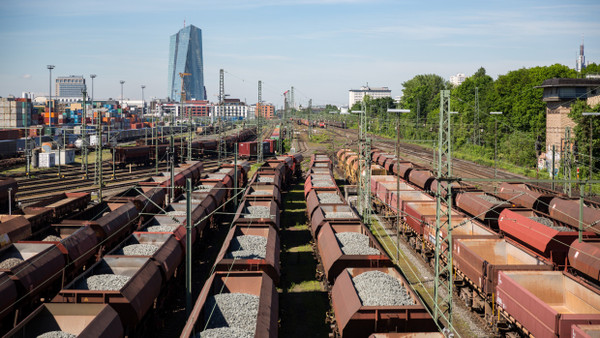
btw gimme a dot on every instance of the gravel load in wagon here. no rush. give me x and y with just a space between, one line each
229 332
329 198
339 214
103 282
239 310
10 263
322 183
57 334
216 176
51 238
248 247
203 188
257 211
491 199
261 193
355 243
549 223
138 250
376 288
176 213
264 179
161 228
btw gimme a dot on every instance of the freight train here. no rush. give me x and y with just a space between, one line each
247 268
322 123
507 249
369 295
146 154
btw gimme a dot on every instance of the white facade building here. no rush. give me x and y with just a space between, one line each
357 95
457 79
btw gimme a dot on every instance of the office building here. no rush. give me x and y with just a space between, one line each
185 56
357 95
70 86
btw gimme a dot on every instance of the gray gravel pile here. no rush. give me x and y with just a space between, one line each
216 176
261 193
491 199
321 165
52 238
264 179
104 282
339 214
239 310
376 288
203 188
323 183
10 263
176 213
224 170
138 250
257 211
248 247
228 332
161 228
329 198
548 222
57 334
196 200
354 243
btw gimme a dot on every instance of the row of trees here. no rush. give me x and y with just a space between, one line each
522 123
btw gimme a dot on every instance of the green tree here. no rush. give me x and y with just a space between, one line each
582 133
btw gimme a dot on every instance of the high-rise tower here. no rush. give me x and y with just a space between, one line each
185 56
580 64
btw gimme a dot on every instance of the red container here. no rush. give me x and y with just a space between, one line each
244 217
335 261
355 320
269 264
332 213
247 149
585 331
9 134
132 301
567 211
313 200
250 282
479 205
547 303
391 196
526 196
415 213
549 242
584 258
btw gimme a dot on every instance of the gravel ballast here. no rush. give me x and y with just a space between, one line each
138 250
229 332
104 282
548 222
339 214
264 179
491 199
329 198
354 243
257 211
52 238
376 288
248 247
10 263
161 228
57 334
239 310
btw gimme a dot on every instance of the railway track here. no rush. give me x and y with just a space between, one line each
37 191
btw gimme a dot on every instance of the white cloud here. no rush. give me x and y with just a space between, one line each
27 76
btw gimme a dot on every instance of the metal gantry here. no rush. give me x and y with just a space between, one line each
443 268
84 143
221 146
364 168
259 139
567 160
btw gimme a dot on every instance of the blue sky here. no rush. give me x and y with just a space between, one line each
321 47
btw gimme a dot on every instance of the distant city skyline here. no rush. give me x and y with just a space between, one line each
321 47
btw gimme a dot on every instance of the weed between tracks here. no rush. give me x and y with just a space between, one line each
303 301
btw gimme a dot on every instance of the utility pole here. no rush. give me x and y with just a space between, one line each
99 158
443 269
567 161
259 139
188 247
189 150
477 134
84 143
364 167
25 108
309 122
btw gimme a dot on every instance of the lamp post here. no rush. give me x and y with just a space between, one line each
591 133
50 67
399 111
121 82
93 76
143 102
495 113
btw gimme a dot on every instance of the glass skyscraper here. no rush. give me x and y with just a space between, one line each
185 56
